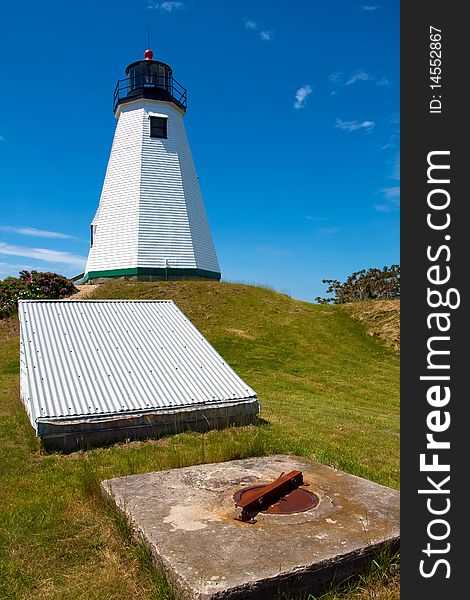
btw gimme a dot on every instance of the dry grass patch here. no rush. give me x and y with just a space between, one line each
84 292
379 317
240 333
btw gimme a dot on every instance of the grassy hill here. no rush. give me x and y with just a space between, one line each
328 391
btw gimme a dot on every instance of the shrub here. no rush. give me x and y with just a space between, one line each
373 284
34 285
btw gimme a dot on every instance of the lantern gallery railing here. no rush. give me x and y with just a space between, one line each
149 85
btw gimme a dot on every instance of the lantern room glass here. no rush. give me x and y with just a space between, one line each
149 75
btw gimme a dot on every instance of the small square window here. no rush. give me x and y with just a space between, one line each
158 127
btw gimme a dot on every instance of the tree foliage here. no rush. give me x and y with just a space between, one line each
373 284
32 285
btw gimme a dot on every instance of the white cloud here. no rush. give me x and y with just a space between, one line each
45 254
270 251
310 218
329 230
354 125
249 24
266 34
301 96
12 270
391 195
395 173
382 82
369 8
6 268
361 76
33 232
392 142
394 136
387 207
336 77
168 6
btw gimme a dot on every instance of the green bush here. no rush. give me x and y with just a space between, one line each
34 285
373 284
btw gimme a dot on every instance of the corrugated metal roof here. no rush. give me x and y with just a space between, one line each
91 358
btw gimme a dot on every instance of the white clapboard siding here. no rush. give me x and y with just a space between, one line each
164 231
117 219
204 250
151 212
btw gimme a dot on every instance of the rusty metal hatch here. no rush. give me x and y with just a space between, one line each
284 496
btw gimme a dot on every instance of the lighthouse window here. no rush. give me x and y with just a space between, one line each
158 127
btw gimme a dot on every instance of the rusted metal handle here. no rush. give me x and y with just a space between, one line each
268 495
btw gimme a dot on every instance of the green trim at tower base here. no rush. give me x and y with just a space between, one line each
151 274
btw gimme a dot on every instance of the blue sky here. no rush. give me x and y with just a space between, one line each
293 121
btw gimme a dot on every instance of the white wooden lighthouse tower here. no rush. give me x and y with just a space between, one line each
151 222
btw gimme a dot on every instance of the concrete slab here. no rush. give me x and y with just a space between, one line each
187 518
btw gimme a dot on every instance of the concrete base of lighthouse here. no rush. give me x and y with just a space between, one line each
149 274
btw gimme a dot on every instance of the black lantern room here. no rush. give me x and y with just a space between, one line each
151 79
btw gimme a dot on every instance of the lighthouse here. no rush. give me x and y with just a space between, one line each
151 223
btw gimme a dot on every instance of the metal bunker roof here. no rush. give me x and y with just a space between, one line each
96 359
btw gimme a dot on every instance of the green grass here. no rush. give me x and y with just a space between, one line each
328 391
